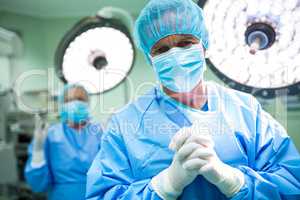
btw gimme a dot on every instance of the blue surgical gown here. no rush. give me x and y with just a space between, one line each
135 148
69 154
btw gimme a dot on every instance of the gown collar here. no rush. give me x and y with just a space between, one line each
177 112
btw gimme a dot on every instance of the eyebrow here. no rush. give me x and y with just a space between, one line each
185 37
189 37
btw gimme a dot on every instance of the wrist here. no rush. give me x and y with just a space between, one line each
163 186
38 144
231 182
38 159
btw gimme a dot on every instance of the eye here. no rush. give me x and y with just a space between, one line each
162 49
76 99
184 44
81 99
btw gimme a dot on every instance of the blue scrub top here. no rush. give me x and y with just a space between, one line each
135 149
69 154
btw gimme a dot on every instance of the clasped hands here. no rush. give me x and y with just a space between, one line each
194 156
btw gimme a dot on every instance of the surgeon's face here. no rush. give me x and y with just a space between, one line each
75 94
74 111
183 85
177 40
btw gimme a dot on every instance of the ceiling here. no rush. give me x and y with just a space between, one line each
67 8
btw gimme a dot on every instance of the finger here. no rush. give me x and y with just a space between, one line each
179 139
202 153
37 121
46 125
194 164
206 141
186 150
205 168
45 130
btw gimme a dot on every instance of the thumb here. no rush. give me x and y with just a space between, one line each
45 129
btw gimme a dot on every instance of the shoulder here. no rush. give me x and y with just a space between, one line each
55 131
94 129
237 98
55 128
95 126
132 113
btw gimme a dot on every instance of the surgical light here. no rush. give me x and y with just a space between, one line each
97 52
255 44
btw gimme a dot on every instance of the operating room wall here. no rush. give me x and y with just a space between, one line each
34 54
41 37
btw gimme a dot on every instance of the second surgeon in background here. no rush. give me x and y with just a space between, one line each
61 155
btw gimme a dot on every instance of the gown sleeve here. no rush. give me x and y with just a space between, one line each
111 177
38 177
273 171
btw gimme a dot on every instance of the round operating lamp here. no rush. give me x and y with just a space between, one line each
255 44
98 52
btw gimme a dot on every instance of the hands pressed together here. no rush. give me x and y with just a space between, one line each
194 156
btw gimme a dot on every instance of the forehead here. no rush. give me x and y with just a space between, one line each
75 93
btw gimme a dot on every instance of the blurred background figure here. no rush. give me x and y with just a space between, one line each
61 154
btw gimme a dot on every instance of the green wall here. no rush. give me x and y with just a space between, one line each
41 37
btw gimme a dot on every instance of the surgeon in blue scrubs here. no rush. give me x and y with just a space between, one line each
188 138
60 156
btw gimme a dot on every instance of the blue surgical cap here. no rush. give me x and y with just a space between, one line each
161 18
67 87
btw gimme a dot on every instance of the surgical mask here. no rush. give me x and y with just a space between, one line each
180 69
75 111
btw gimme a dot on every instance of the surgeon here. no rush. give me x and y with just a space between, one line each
60 156
188 138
